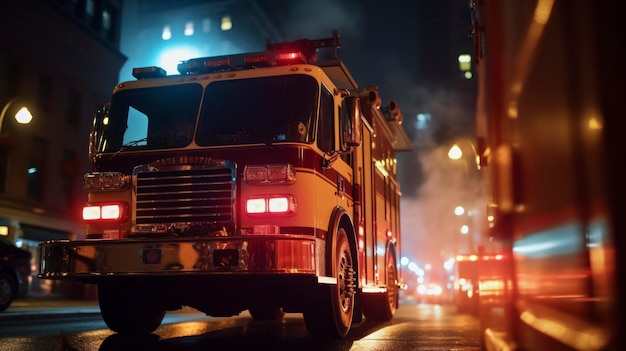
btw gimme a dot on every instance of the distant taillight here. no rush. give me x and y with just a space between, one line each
115 212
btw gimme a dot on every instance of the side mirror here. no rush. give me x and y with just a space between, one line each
351 123
97 128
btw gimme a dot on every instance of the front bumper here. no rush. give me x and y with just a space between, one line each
90 259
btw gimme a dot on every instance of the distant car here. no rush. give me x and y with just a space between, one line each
14 273
431 293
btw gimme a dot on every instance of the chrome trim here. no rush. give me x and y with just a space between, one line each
251 254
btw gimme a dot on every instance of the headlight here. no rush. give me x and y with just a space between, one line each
271 204
105 181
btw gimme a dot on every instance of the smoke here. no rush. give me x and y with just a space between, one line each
433 185
317 19
380 48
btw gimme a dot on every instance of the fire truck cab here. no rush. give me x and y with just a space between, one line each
262 181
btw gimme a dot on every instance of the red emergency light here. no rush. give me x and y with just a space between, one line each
290 58
242 61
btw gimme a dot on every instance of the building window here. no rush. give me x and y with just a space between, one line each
106 21
71 167
73 108
206 25
227 23
189 28
167 32
90 8
36 170
9 83
44 92
4 162
109 25
79 8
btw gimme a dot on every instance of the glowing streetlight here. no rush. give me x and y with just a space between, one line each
459 210
455 152
19 111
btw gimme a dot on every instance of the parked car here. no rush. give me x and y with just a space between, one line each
14 273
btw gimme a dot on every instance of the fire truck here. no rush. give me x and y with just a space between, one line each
262 181
550 125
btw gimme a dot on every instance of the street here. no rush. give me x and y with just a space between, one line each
79 327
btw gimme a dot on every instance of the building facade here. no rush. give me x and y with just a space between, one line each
62 58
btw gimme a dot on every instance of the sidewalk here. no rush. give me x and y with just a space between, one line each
48 307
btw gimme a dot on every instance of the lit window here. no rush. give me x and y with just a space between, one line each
465 62
227 23
106 20
89 7
189 28
167 32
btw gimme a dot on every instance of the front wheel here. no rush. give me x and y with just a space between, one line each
330 316
7 291
129 311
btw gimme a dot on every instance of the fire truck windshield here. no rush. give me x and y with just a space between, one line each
258 110
244 111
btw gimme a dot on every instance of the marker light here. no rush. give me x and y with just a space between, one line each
149 72
256 61
270 174
105 181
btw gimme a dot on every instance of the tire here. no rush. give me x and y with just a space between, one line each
7 291
330 316
129 311
382 307
266 313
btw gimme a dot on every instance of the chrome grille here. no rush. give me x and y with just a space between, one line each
199 196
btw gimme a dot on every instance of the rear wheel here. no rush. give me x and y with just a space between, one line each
129 311
330 316
7 291
382 306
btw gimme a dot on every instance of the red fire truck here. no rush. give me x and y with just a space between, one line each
551 110
263 181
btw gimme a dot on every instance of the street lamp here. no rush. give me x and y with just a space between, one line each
18 110
455 153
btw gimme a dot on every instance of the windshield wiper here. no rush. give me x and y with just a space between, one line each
131 144
134 143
